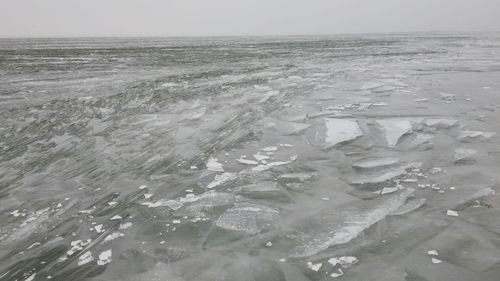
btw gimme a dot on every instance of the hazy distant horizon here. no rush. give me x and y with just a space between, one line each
190 18
395 33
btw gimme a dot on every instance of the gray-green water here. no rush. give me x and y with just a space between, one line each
369 157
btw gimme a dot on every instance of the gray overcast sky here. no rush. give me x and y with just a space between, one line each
19 18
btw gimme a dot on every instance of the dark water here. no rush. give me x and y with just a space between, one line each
369 157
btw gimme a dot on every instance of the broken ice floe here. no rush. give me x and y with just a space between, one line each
375 163
314 266
432 253
104 257
114 236
269 149
341 130
394 129
467 136
447 97
85 258
267 166
441 123
221 179
409 206
388 190
464 155
263 190
172 204
213 165
247 161
383 175
339 225
452 213
344 261
436 260
249 218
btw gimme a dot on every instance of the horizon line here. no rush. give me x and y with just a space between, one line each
253 35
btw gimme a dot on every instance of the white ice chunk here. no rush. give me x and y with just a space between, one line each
452 213
394 129
336 226
474 135
269 148
382 176
117 217
432 253
99 228
337 274
104 257
441 123
314 267
341 130
260 157
376 163
114 236
85 258
213 165
125 225
388 190
436 261
247 162
221 179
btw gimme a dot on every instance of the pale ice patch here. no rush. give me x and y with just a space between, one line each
340 225
172 204
249 218
114 236
383 176
104 257
465 136
314 266
221 179
464 154
247 161
341 130
441 123
125 225
213 165
269 148
394 129
85 258
375 163
267 166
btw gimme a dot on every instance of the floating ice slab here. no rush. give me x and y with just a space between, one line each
336 226
447 97
382 176
465 136
213 165
247 161
441 123
263 190
394 129
297 177
221 179
291 128
104 258
464 154
341 130
249 218
409 206
376 163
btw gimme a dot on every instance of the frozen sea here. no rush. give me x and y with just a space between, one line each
367 157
